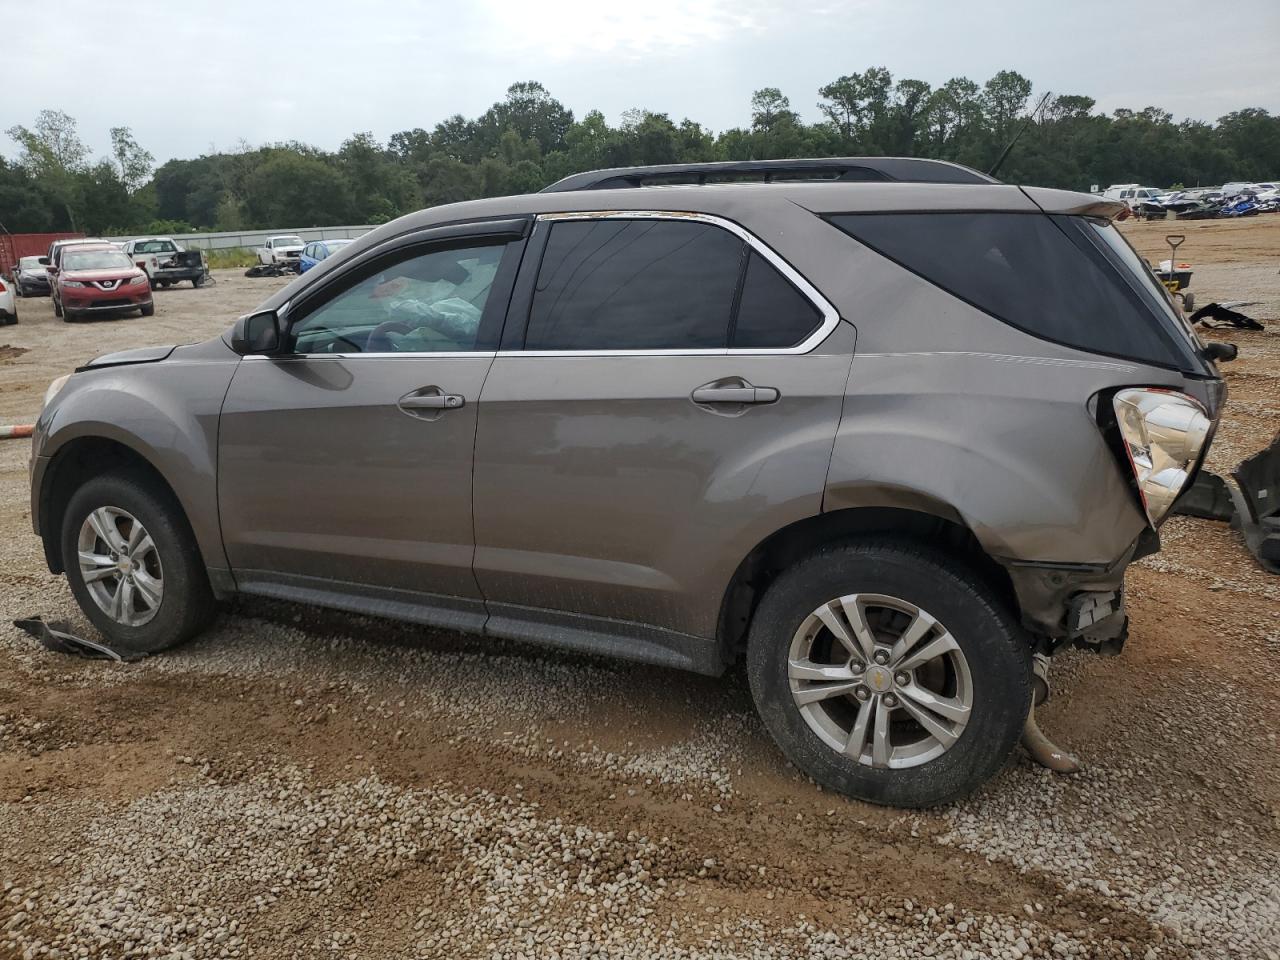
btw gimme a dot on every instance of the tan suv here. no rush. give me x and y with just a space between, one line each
881 427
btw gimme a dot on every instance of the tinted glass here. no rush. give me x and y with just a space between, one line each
429 303
634 285
1040 274
772 313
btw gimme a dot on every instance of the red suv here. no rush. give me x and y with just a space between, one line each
99 279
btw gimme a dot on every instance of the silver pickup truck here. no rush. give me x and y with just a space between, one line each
165 262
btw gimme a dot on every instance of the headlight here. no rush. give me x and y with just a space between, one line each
54 387
137 280
1164 434
72 283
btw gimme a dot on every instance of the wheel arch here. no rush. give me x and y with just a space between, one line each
78 460
936 525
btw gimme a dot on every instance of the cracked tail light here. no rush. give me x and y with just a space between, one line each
1164 435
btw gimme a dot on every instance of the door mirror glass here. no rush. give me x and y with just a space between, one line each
258 333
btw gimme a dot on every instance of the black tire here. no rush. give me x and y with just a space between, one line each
148 309
186 606
57 308
996 649
195 282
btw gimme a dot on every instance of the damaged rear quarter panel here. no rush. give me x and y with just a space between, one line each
952 412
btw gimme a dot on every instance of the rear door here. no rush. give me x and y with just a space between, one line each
345 466
667 394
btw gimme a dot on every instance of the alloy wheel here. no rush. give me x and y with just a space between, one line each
120 566
880 680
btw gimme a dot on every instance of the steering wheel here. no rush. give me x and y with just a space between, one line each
379 342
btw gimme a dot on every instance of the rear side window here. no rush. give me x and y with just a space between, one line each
1041 274
772 313
634 285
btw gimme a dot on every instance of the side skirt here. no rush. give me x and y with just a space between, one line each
616 639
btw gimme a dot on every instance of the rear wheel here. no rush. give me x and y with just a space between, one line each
886 674
133 565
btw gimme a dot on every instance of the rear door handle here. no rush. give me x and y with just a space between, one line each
711 393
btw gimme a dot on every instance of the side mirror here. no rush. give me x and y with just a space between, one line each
258 333
44 261
1218 351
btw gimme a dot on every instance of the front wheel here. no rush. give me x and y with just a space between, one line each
148 309
885 673
57 308
133 564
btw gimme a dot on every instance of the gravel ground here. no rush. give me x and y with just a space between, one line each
303 784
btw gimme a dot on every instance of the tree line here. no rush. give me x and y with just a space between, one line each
530 139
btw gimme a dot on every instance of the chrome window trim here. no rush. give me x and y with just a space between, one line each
427 355
830 316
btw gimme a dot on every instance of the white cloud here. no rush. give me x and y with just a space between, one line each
581 29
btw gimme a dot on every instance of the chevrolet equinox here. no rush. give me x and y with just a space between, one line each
883 428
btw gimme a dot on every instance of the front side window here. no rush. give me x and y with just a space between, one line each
615 284
424 303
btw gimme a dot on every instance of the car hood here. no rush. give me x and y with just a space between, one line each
125 357
111 273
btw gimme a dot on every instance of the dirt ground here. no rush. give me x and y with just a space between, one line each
305 785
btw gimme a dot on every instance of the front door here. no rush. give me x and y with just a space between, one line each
673 398
345 465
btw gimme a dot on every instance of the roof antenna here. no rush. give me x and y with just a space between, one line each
1021 130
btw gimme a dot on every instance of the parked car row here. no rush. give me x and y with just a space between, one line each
92 275
1236 199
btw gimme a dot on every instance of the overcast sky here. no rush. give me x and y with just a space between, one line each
202 76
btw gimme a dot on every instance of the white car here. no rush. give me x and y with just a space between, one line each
8 302
165 261
1133 194
284 250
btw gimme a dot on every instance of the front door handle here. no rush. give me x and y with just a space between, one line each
436 401
741 392
429 403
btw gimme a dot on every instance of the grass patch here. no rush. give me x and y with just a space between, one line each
231 257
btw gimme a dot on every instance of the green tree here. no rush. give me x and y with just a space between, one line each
133 163
53 153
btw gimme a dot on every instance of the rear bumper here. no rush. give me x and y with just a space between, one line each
178 273
1082 604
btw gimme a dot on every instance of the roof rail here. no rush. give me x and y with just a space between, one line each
846 169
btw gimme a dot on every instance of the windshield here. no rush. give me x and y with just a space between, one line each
286 241
155 246
30 263
96 260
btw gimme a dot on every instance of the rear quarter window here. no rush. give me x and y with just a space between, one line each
1044 275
